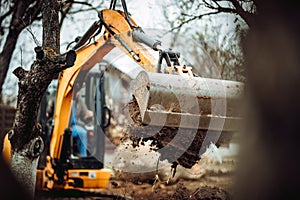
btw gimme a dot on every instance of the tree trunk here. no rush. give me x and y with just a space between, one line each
6 54
51 28
25 135
22 16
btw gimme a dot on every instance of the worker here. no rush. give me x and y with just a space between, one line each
81 115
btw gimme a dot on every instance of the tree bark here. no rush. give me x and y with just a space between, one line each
6 54
244 14
25 136
51 28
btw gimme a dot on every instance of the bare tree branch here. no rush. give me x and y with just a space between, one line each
243 13
234 7
81 10
36 41
83 3
23 14
64 12
194 18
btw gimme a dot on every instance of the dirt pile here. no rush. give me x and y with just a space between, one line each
208 179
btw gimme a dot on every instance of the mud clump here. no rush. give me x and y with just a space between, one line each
178 145
182 146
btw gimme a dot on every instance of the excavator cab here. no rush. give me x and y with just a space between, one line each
81 160
86 121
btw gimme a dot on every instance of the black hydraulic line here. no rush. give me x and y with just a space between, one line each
169 56
75 41
126 13
112 4
130 51
105 24
93 28
159 62
108 120
98 32
167 59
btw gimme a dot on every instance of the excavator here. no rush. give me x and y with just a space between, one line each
165 95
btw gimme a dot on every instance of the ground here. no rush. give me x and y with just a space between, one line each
211 178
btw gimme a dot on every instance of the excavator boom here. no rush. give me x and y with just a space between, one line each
171 100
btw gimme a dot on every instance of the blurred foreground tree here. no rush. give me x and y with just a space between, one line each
270 143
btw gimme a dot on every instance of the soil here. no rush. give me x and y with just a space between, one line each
174 144
182 190
208 180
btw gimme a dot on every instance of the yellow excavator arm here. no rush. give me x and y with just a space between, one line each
87 57
118 33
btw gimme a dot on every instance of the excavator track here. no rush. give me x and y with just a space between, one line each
177 145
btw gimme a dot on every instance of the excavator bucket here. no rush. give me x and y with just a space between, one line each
168 100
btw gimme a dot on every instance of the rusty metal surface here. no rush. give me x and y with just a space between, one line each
176 101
